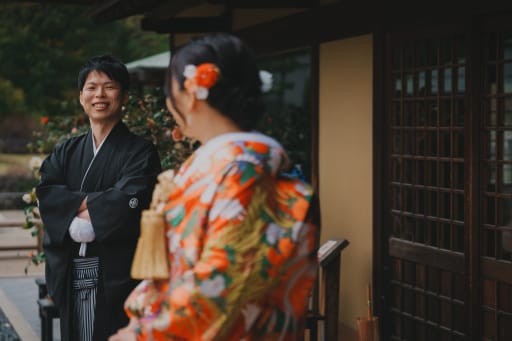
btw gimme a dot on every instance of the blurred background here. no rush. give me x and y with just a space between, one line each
42 47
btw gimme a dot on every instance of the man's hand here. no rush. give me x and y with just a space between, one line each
83 205
84 215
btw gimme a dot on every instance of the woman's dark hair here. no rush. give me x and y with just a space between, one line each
237 93
110 66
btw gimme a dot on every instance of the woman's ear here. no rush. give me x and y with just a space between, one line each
192 102
190 86
190 94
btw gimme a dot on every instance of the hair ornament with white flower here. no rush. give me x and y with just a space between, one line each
266 81
200 78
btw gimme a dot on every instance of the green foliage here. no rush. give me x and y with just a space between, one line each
32 216
57 129
287 115
148 116
12 99
42 47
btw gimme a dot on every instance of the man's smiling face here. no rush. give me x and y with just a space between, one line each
102 98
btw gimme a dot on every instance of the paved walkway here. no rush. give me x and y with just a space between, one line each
7 332
18 291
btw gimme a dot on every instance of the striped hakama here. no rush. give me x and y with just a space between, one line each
85 284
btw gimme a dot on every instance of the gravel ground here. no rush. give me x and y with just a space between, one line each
7 332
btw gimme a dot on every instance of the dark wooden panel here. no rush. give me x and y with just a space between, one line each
220 23
314 151
269 3
298 30
169 9
472 180
423 254
62 2
425 78
497 270
380 172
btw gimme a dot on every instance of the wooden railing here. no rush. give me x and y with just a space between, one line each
17 223
323 317
48 311
8 200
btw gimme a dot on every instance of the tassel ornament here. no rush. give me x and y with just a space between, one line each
150 260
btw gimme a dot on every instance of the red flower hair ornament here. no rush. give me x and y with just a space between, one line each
200 78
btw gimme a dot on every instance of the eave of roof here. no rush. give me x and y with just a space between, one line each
157 61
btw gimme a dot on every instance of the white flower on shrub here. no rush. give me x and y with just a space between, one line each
27 198
35 163
266 80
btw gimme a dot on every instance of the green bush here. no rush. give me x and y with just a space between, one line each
16 183
148 116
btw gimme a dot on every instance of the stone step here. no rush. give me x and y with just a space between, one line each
15 245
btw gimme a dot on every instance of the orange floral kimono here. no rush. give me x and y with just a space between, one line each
241 249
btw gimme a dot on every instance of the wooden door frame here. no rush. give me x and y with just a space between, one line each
381 271
472 177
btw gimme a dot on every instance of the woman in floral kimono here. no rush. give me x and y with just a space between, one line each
240 243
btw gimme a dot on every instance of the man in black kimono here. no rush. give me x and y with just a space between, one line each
92 191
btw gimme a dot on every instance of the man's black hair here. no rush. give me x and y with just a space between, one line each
108 65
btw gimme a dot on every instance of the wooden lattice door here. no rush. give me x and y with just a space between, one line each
449 183
426 118
496 182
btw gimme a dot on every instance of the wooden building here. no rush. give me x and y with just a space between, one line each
409 111
148 71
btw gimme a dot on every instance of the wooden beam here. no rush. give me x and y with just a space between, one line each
346 19
102 7
58 2
188 25
172 8
271 4
496 270
294 31
298 30
117 9
428 255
